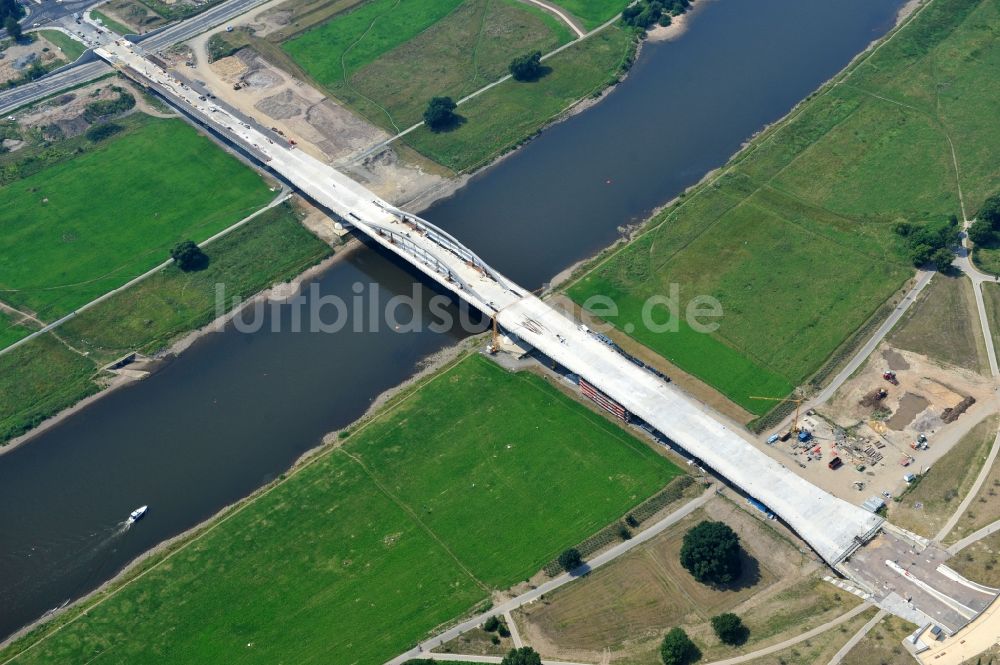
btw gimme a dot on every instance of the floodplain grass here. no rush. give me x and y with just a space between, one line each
348 41
367 548
979 561
795 235
38 379
467 49
42 377
84 225
942 489
593 13
69 47
944 325
273 247
512 112
10 331
991 301
461 51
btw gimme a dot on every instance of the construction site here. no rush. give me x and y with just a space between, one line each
886 426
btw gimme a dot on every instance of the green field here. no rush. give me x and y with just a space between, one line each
10 331
71 49
795 236
470 482
338 48
592 13
85 224
390 77
508 114
43 376
111 24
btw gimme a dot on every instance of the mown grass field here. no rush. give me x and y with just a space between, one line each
795 236
944 325
510 113
43 376
388 74
469 482
70 48
592 13
88 223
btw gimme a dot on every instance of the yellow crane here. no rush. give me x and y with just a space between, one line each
798 404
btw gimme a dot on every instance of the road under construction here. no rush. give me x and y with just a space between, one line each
910 579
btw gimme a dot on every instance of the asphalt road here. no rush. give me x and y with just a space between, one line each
81 73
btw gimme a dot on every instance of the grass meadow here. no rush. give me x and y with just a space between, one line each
795 235
81 226
388 74
505 116
43 376
592 13
467 483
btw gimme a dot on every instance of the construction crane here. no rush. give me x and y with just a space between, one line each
798 404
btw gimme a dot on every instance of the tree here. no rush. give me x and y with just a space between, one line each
527 67
990 212
188 256
491 624
522 656
981 233
440 114
711 553
570 559
13 28
942 257
678 649
730 629
920 254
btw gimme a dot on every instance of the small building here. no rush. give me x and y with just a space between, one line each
873 504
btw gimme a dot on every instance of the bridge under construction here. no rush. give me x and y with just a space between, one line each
834 528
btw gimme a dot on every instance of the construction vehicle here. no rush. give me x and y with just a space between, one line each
835 463
794 427
890 376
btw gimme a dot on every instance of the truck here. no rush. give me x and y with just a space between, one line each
835 463
761 507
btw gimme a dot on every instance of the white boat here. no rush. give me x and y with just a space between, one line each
136 514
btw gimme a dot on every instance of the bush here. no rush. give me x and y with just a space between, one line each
526 67
522 656
678 649
440 114
189 256
94 111
942 258
624 532
103 131
711 553
730 629
990 212
503 630
570 559
491 624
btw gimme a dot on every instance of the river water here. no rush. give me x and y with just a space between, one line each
237 409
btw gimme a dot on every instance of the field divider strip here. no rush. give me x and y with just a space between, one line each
281 198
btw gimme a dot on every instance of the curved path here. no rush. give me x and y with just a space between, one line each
573 24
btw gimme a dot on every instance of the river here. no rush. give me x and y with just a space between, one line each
236 409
